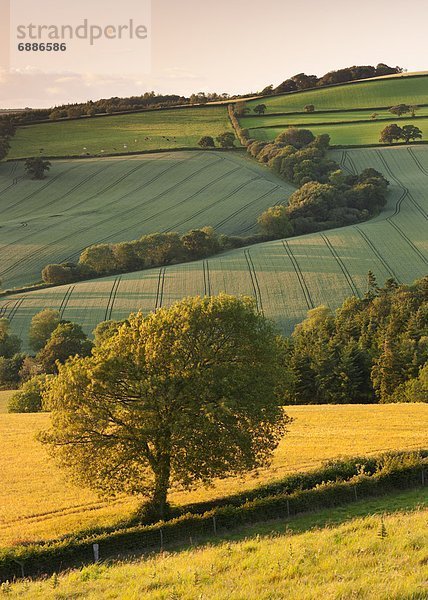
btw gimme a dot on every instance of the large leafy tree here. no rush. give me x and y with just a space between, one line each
36 167
180 396
68 339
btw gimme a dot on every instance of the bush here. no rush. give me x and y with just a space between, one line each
29 398
275 223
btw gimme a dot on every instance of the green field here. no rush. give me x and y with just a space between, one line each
286 278
367 94
334 554
111 200
346 134
42 503
153 130
331 118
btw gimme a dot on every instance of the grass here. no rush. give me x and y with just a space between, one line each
116 199
154 130
4 399
367 94
333 118
333 554
322 268
349 134
41 503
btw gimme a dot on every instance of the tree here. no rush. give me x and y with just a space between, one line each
309 108
200 243
180 396
226 139
36 167
60 274
9 344
410 132
275 223
413 109
67 340
260 109
206 142
390 134
29 398
299 138
43 324
100 259
4 148
400 109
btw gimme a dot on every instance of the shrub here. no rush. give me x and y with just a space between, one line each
29 398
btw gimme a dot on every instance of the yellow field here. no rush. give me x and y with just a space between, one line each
4 399
332 555
38 502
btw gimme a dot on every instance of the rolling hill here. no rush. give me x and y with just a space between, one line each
83 202
286 277
121 134
376 93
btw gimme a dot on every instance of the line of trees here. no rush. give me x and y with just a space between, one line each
327 196
394 133
373 349
153 250
301 81
7 131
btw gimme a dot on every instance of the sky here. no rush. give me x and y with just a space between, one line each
233 46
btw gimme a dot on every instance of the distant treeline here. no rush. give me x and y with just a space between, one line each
153 250
7 131
373 349
151 100
301 81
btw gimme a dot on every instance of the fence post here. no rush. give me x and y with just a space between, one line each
215 526
423 477
288 508
161 538
356 493
96 549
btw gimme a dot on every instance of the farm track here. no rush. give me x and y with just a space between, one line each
342 266
254 281
378 254
299 274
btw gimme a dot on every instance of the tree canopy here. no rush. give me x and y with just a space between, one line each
180 396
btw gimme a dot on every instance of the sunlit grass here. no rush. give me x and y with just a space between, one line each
37 501
330 555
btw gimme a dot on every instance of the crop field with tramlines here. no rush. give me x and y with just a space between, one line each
121 134
286 277
83 202
42 503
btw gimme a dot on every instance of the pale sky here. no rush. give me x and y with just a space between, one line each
220 45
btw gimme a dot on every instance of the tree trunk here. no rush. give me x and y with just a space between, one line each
160 492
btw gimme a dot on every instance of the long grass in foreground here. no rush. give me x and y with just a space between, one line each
341 554
37 501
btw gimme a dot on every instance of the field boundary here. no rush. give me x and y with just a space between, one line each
407 472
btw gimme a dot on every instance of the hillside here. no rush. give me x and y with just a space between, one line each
121 134
42 503
366 94
83 202
352 114
332 554
286 277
